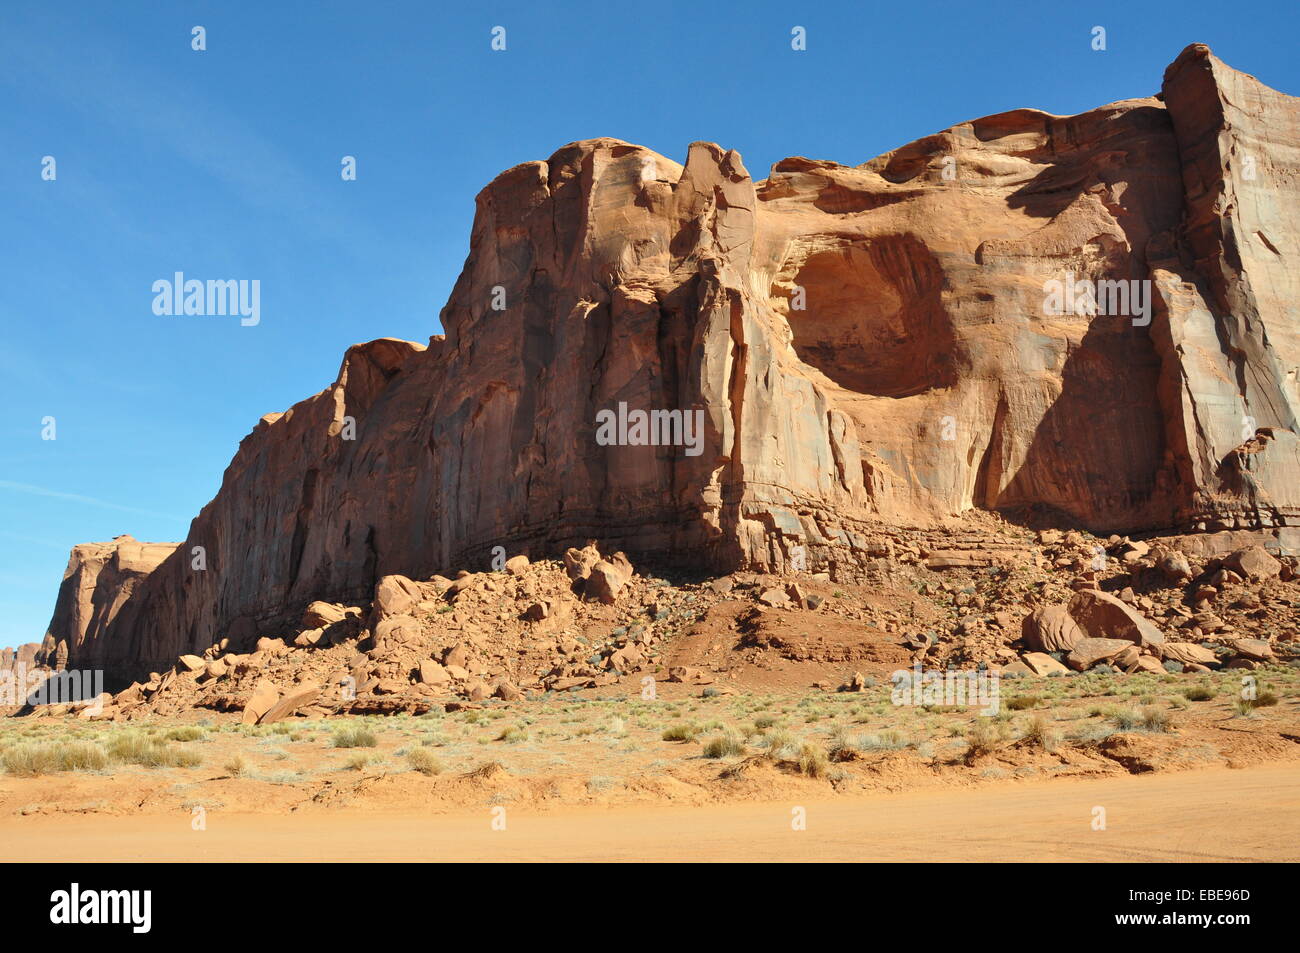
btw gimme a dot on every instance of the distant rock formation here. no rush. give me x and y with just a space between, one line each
860 345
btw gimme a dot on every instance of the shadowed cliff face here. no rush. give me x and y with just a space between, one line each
861 345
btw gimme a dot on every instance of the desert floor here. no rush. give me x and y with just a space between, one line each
1216 814
1180 769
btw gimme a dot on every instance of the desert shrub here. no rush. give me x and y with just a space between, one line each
844 746
1038 733
513 734
185 733
134 747
488 770
984 737
1153 719
813 760
424 761
31 759
1125 719
728 744
779 744
1198 693
354 736
1021 702
681 731
890 739
1264 699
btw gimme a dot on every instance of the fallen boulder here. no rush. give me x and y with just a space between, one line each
1088 652
321 615
295 698
1102 616
1254 563
394 595
263 699
607 578
1189 653
1050 629
1040 663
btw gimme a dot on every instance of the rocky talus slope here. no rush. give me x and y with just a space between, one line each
1013 602
875 366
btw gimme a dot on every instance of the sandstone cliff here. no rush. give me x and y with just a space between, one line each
865 345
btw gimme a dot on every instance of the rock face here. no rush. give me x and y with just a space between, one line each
100 579
827 348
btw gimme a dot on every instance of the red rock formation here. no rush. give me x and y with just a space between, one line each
862 344
99 580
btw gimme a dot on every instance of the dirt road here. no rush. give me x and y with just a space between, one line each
1213 814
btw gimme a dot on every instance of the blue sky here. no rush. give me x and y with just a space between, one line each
225 164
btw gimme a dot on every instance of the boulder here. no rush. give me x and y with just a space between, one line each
297 697
1102 616
321 615
1040 663
431 673
1146 663
1127 658
857 683
1257 649
688 674
1174 566
626 658
1254 563
1188 653
606 579
262 699
1088 652
191 663
467 581
578 562
507 691
309 638
394 595
397 630
129 696
1050 629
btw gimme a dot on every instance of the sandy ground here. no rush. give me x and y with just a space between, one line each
1215 814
